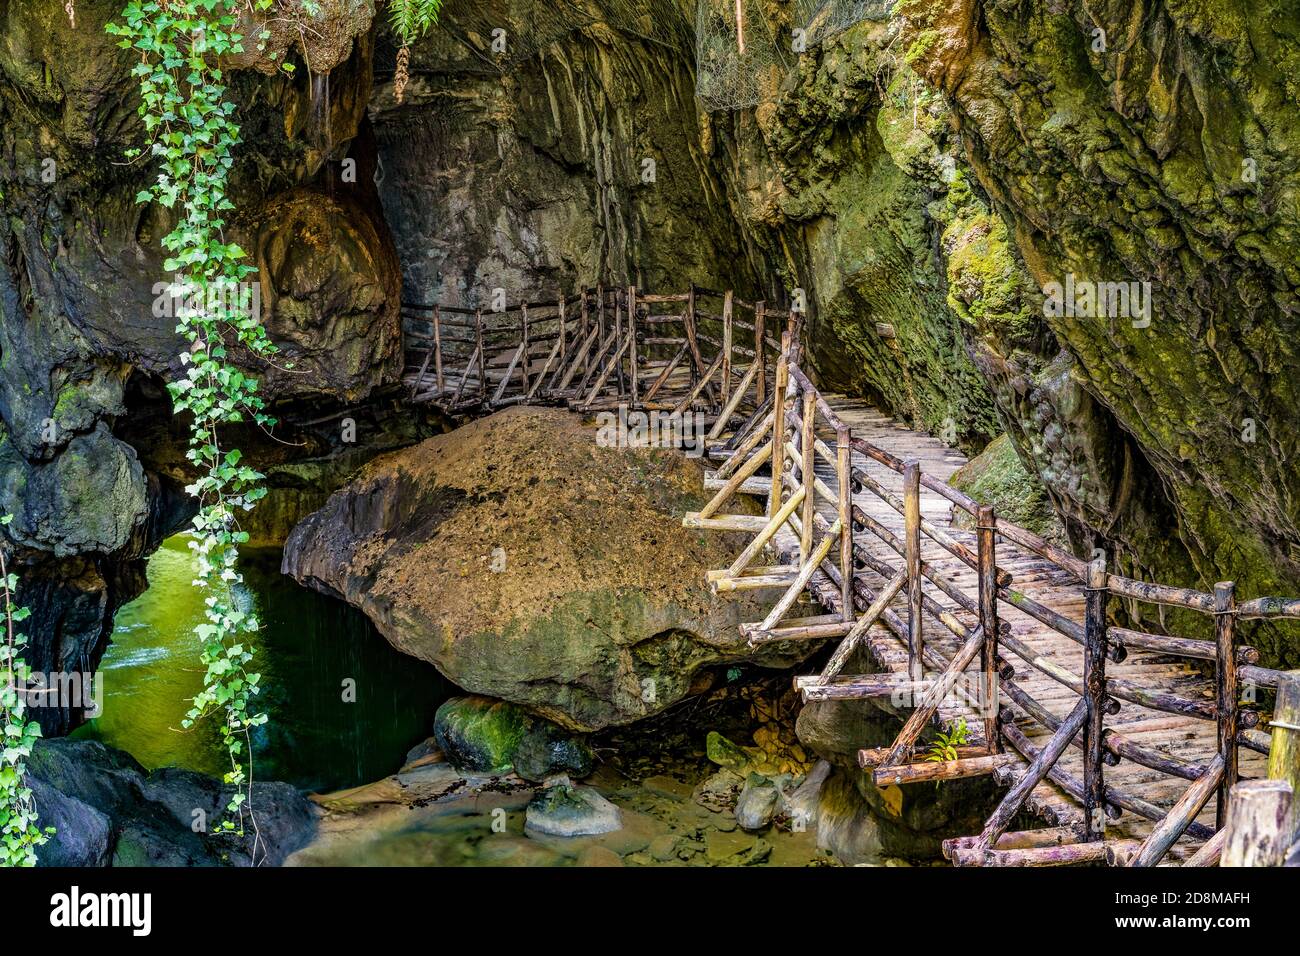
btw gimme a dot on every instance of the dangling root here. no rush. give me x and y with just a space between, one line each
402 74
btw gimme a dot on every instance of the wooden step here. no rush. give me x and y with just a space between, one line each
796 632
752 524
1109 852
859 687
750 486
935 770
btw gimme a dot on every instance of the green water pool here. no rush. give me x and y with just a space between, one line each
344 706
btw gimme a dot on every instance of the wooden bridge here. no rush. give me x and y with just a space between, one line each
1125 744
701 350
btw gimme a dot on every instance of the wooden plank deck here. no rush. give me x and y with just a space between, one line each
1176 735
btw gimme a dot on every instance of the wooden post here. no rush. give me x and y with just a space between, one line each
1284 749
564 343
912 543
619 346
986 530
525 360
1227 694
1180 816
600 312
778 427
437 347
1037 771
631 325
1094 688
1257 823
688 324
760 315
807 473
843 468
726 347
482 359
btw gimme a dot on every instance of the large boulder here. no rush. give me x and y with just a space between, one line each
527 563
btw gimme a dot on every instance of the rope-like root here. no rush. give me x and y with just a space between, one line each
402 74
72 13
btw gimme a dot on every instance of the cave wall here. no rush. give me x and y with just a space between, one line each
85 343
576 154
1154 142
864 242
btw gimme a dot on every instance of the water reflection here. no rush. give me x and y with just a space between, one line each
344 706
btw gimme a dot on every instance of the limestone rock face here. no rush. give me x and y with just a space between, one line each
880 323
1151 142
528 564
574 151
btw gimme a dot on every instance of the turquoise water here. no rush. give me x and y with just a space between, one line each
312 651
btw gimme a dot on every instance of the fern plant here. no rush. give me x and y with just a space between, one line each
411 20
946 742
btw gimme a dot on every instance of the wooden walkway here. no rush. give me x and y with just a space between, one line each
1126 744
1119 741
1180 737
703 350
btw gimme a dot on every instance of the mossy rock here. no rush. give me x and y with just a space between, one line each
724 753
483 735
998 477
478 734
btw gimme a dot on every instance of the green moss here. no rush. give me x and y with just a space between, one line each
479 734
998 477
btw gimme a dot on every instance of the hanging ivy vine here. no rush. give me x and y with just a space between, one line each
193 134
19 833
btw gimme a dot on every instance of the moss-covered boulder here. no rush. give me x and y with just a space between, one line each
481 735
529 564
997 477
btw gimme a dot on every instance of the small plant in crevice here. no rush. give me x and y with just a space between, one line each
193 133
20 833
947 741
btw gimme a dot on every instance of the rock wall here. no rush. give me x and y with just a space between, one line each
85 341
574 151
1149 142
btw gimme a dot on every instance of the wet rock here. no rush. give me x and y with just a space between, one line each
107 807
757 803
664 848
426 751
800 806
598 856
82 833
547 749
718 792
481 735
724 753
567 811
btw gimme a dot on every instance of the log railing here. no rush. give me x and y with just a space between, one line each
775 454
